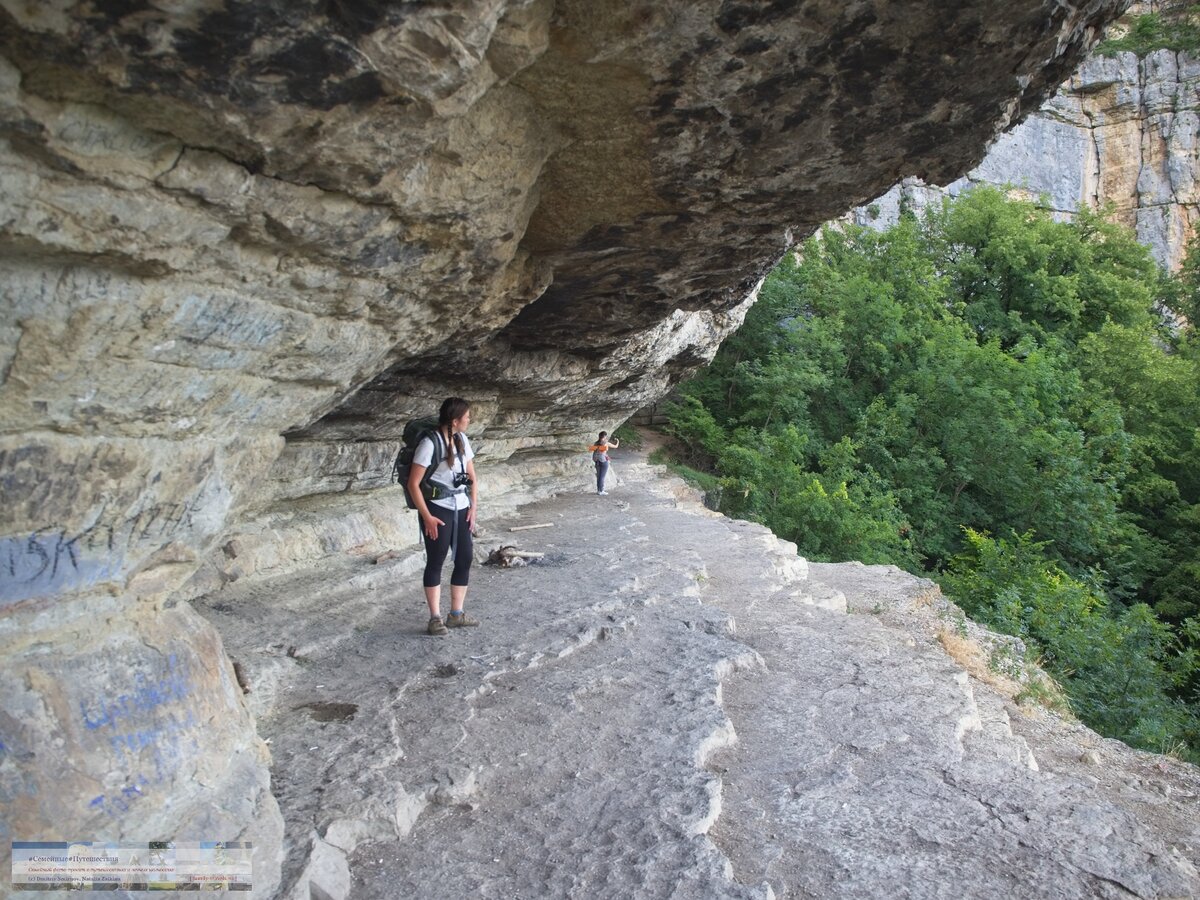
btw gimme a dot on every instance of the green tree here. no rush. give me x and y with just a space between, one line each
1157 390
985 370
1175 27
1119 668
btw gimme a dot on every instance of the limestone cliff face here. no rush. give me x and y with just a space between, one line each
244 241
1121 131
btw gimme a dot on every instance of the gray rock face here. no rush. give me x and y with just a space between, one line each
672 704
244 241
1121 131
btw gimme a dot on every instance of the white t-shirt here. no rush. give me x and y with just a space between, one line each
442 475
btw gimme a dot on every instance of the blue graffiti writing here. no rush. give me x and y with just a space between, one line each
173 687
164 741
151 724
118 804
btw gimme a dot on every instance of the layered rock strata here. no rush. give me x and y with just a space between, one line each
242 242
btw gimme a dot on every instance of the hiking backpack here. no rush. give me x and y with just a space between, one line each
415 431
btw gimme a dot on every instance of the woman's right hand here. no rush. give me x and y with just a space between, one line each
431 523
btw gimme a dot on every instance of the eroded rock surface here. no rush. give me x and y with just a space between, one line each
674 704
243 241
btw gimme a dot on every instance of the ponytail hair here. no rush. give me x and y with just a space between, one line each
452 408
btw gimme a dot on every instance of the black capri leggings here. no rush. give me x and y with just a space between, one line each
436 550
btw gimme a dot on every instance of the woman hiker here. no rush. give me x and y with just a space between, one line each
600 458
447 514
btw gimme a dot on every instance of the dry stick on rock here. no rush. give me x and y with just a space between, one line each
527 527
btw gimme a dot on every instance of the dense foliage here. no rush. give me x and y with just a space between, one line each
1175 27
1005 401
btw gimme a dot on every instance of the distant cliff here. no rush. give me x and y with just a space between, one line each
1122 130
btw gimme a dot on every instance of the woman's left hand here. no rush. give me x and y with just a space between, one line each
471 518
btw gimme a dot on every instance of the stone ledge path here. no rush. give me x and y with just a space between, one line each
673 704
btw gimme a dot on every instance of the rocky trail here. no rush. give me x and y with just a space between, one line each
673 704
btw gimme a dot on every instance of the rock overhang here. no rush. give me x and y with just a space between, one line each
241 237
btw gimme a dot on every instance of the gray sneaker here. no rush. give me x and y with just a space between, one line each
462 620
436 625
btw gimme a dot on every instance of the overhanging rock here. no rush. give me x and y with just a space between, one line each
243 241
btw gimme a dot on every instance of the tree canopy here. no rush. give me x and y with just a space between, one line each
1007 402
1174 26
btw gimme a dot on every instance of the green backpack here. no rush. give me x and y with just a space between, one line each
415 431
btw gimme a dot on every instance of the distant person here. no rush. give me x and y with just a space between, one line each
600 458
448 515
